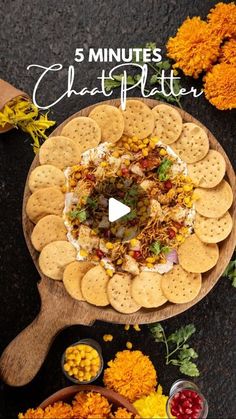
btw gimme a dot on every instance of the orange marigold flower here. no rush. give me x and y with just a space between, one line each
32 414
122 413
90 405
228 52
59 410
193 49
220 86
131 374
222 19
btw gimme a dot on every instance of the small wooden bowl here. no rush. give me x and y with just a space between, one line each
66 395
8 92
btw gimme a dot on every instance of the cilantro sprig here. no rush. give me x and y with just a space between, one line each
154 80
176 345
230 271
163 170
156 248
78 213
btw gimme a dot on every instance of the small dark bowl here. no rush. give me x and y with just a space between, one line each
67 394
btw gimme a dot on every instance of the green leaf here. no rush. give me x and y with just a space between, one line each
154 79
230 272
130 80
163 65
187 353
151 45
111 84
190 369
182 335
163 169
157 332
165 249
92 203
82 215
155 247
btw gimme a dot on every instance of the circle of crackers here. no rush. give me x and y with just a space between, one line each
208 172
110 121
168 309
48 229
72 277
44 176
192 144
214 202
196 256
146 290
168 123
180 286
119 292
54 257
84 131
213 230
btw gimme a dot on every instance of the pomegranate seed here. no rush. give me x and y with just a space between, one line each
90 176
167 184
99 253
178 225
171 235
176 396
174 411
195 416
187 403
137 254
188 411
107 233
121 194
144 163
197 409
194 395
124 171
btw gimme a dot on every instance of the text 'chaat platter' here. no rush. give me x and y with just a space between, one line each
164 171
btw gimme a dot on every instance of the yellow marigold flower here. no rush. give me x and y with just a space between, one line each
152 406
222 20
228 52
122 413
32 414
59 410
220 86
90 405
194 49
131 374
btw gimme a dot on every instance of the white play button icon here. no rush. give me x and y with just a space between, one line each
116 210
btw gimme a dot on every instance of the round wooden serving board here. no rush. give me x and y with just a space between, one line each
24 356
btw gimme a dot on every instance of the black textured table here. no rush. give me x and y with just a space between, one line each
34 32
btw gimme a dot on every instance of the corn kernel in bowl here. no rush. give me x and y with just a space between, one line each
82 362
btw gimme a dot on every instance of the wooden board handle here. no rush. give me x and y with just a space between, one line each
24 356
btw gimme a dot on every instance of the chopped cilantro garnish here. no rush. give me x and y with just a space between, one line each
156 248
78 213
163 169
92 203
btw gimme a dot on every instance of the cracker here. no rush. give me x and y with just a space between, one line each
110 120
180 286
44 202
84 131
168 123
94 286
146 290
54 258
60 152
49 229
193 143
196 256
214 202
213 230
72 277
209 171
139 119
119 294
44 176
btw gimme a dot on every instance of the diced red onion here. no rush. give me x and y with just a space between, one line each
172 256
